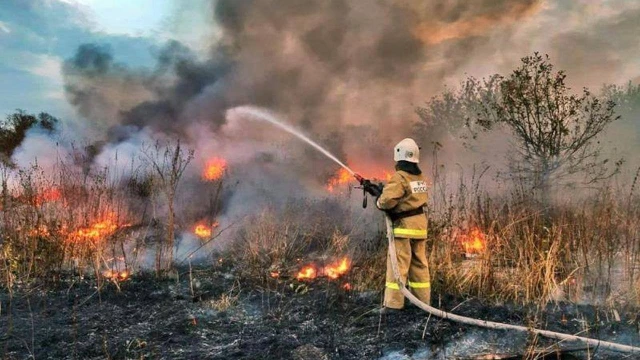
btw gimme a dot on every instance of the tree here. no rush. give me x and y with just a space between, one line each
14 129
169 162
554 131
627 98
446 114
626 131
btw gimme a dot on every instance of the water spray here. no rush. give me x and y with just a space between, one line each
265 115
375 190
256 113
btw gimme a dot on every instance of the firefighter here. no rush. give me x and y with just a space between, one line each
404 198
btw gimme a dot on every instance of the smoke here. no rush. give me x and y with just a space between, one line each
39 147
594 56
327 64
99 88
339 67
122 100
349 74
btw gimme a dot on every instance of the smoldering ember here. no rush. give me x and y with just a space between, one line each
319 179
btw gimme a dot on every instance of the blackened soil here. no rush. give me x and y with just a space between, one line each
207 314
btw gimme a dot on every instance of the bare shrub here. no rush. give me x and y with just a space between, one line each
168 161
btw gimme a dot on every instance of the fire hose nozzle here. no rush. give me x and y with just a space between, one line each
369 187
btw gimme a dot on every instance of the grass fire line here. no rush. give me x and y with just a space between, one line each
270 118
332 271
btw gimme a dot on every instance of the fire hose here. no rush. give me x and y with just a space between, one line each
376 190
489 324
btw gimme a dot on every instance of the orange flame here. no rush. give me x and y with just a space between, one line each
48 195
347 286
41 230
336 270
307 272
474 242
116 275
214 169
204 231
98 230
274 274
342 177
332 271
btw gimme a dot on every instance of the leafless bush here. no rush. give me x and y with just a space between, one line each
168 161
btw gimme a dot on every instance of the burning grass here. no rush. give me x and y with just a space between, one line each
214 169
117 275
308 272
204 231
473 242
48 195
342 178
331 271
98 230
498 248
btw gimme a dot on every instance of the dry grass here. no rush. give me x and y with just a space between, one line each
583 249
68 219
538 254
224 302
534 254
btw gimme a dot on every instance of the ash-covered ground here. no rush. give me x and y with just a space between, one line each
207 313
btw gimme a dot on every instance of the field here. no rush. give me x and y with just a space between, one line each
188 179
87 273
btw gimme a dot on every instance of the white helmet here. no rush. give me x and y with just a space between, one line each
407 150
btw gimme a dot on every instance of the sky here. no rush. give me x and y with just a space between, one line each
125 17
36 36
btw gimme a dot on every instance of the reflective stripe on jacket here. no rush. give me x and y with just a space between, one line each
405 192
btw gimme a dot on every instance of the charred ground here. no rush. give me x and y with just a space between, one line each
207 312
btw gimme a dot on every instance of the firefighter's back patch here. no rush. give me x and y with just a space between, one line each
418 187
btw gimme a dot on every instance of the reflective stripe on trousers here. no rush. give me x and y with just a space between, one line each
392 285
419 285
415 285
414 272
409 232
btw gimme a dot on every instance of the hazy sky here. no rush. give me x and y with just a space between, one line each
126 17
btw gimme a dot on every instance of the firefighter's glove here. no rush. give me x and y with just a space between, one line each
374 190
